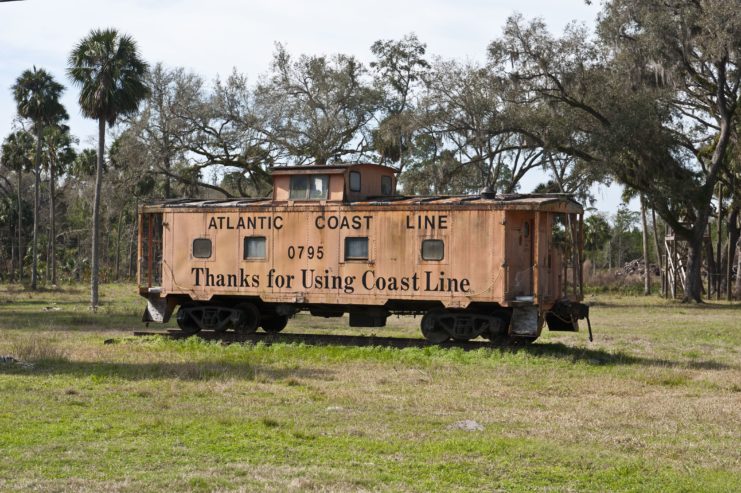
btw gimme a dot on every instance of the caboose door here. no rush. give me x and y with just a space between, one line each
150 250
520 253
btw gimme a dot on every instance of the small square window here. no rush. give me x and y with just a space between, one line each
355 181
202 248
254 247
309 187
356 248
433 250
386 185
299 187
319 187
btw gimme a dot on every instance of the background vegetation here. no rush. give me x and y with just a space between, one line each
648 99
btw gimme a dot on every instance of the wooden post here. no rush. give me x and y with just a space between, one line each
581 255
150 230
536 258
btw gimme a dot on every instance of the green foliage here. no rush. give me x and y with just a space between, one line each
17 151
37 97
59 148
110 73
596 232
84 163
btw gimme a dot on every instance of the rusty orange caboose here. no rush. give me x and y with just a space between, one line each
336 239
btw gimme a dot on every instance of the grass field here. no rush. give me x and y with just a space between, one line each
654 404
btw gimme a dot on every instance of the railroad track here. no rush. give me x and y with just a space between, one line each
319 339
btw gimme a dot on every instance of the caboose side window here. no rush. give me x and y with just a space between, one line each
355 181
202 248
309 187
433 249
254 247
356 248
385 185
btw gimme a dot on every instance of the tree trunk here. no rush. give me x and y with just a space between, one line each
132 244
168 190
734 232
719 245
693 283
95 268
738 270
47 255
118 243
693 277
37 179
657 243
711 265
646 269
52 222
695 242
105 256
20 228
13 258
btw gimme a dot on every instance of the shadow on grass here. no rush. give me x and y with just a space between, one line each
599 357
188 371
556 350
66 321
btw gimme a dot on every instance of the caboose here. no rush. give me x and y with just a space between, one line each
337 239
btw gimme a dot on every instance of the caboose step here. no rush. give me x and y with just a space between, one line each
524 321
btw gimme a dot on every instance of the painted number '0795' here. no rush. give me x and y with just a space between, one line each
309 252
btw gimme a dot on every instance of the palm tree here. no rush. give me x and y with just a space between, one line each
110 73
37 98
16 155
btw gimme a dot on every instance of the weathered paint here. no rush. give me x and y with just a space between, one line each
496 249
473 268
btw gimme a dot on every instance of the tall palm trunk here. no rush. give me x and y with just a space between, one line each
94 272
37 179
20 228
52 221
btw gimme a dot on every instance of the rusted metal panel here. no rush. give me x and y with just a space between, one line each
495 248
306 259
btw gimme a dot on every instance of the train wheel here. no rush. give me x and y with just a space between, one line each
431 329
275 324
185 320
249 318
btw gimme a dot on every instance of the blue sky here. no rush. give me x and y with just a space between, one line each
212 37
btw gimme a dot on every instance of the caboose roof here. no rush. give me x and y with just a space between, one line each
325 168
534 201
